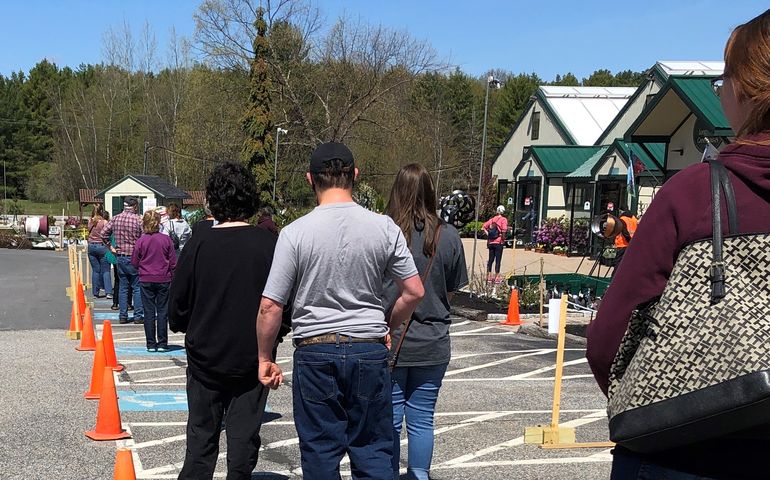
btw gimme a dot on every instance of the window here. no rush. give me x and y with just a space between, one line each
535 132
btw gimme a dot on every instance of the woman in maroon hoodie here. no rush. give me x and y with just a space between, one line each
155 258
678 217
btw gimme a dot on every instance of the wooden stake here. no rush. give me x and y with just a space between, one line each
559 363
542 293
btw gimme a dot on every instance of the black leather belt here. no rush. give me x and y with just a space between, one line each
334 338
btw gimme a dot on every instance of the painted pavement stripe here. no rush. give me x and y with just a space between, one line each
142 351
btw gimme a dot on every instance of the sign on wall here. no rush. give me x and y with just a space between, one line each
149 203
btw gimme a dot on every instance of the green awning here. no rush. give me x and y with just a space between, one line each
680 98
561 160
699 95
658 151
586 170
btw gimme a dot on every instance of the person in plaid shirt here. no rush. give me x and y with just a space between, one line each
126 228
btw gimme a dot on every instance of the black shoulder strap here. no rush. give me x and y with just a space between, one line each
720 181
727 190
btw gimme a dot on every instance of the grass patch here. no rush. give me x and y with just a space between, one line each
29 207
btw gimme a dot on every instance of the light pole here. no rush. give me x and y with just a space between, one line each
491 81
278 132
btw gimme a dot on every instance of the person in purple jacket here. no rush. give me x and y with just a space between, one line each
155 259
675 218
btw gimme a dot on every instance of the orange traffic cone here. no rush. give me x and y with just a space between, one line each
74 331
513 310
95 391
124 465
81 299
87 340
109 347
108 425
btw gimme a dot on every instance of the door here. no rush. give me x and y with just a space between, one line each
526 216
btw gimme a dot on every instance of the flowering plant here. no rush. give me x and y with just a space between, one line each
553 232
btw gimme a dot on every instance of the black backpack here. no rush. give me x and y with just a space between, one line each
173 235
494 232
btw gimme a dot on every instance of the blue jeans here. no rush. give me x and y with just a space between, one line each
629 467
342 405
155 306
129 278
415 392
100 269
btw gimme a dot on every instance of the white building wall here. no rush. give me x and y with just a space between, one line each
125 188
683 139
512 151
556 199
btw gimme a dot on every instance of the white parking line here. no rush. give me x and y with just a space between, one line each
506 352
498 362
590 418
459 324
157 369
548 369
172 377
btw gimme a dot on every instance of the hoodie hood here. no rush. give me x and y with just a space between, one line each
749 160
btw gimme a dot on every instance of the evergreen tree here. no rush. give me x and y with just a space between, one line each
257 122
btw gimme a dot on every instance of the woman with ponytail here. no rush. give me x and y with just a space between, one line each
676 218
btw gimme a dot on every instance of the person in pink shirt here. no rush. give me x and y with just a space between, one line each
495 229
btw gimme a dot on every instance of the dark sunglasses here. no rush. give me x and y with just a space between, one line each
717 83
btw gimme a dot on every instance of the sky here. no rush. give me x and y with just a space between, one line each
543 36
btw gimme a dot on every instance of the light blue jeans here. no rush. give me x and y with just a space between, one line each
415 392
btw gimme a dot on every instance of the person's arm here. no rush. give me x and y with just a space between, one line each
136 256
404 273
412 292
106 232
268 324
171 254
277 293
182 292
485 227
186 233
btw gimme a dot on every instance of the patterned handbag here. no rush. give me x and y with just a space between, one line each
695 364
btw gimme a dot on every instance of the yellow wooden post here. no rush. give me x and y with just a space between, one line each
73 281
87 280
559 363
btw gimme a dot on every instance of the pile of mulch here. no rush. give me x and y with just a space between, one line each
488 305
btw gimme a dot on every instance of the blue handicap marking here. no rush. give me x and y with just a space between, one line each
168 401
121 351
106 315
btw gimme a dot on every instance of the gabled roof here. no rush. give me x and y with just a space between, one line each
667 68
558 161
154 183
659 73
583 112
680 96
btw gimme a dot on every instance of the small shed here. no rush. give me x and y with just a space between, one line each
141 187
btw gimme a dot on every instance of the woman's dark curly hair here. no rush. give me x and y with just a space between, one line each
231 192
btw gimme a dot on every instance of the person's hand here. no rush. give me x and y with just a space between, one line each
387 341
112 249
270 374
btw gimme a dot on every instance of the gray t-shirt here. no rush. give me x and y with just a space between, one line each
427 340
335 259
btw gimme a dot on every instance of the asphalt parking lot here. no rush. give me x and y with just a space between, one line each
498 382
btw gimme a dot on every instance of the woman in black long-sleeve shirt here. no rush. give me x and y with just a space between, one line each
214 299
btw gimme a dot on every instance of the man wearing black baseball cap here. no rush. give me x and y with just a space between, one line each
335 259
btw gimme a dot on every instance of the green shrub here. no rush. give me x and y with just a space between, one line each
467 230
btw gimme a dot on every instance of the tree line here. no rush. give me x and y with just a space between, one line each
195 102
